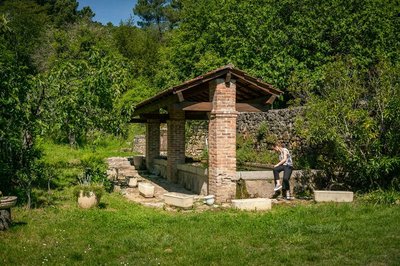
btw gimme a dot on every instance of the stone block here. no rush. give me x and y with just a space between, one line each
132 182
146 190
258 204
333 196
178 200
138 162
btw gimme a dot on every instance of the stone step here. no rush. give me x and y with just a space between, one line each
257 204
128 172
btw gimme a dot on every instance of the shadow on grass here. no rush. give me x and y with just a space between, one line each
18 224
102 205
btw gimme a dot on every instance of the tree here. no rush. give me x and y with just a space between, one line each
24 40
84 84
20 103
141 46
354 124
161 13
283 42
86 13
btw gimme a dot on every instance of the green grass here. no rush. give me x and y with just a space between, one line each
65 163
125 233
62 153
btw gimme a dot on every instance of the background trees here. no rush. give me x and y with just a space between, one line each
65 77
352 121
20 100
85 81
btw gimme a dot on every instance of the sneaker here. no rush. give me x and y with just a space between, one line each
277 187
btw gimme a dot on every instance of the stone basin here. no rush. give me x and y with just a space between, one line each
5 211
333 196
257 204
178 200
7 202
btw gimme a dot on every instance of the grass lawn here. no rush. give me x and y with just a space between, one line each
125 233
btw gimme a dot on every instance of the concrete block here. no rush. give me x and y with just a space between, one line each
335 196
178 200
146 190
258 204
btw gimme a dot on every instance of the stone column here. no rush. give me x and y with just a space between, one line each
175 143
222 141
152 142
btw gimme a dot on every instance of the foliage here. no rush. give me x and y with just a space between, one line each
381 197
139 45
64 166
246 151
88 190
350 123
20 100
161 13
95 172
285 42
42 198
93 179
83 86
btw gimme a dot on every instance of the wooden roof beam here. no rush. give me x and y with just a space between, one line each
256 85
207 107
155 106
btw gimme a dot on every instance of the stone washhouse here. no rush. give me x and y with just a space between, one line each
217 96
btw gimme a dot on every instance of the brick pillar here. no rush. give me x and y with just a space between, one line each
222 141
152 142
175 143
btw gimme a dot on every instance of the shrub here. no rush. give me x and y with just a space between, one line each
86 190
95 172
382 197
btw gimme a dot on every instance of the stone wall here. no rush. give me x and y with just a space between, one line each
193 178
279 123
258 183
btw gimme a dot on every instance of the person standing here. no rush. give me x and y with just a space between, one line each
285 164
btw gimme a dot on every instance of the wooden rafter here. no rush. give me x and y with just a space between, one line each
207 107
252 94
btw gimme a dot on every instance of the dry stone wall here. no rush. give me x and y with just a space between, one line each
279 123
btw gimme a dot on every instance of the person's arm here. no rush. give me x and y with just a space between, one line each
283 159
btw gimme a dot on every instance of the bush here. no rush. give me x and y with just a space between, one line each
353 122
95 172
86 190
246 152
382 197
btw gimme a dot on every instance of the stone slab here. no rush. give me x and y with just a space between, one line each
178 200
146 189
257 204
333 196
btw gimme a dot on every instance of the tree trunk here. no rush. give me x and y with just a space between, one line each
72 139
29 201
5 219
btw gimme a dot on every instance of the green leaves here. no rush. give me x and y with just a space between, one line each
83 94
349 124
